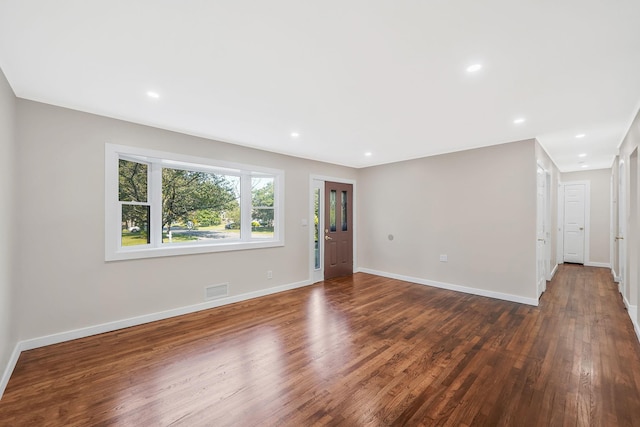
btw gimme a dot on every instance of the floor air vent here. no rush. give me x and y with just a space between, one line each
216 291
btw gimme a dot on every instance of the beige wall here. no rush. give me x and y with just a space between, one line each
64 282
600 212
476 206
8 337
632 239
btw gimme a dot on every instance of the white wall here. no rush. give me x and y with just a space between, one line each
478 207
63 281
599 212
8 336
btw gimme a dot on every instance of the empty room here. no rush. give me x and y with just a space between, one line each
340 213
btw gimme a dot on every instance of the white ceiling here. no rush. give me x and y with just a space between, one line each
388 77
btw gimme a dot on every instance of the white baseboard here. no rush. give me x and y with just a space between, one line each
632 310
132 321
636 327
616 278
8 370
553 273
152 317
452 287
597 264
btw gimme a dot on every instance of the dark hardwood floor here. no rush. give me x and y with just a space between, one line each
363 350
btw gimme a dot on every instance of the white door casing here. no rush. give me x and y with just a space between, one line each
318 182
612 228
631 228
541 216
560 224
550 264
574 223
622 223
317 266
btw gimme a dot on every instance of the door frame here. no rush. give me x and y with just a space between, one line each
587 219
317 275
544 210
613 226
560 231
549 231
622 226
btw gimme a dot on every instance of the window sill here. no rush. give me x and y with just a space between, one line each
175 250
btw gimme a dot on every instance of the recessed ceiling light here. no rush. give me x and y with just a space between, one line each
368 153
473 68
580 135
582 155
518 120
294 134
152 94
585 166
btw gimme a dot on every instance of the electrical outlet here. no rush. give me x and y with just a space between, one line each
443 258
269 274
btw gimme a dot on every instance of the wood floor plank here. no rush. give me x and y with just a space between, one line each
362 350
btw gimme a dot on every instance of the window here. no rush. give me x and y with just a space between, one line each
163 204
316 226
262 207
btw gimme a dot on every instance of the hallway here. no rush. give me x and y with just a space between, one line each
587 356
360 350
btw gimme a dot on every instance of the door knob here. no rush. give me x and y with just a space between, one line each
327 238
581 228
619 238
540 240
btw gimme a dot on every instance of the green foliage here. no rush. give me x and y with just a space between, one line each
132 178
262 200
263 195
187 193
206 218
134 239
316 228
316 210
233 214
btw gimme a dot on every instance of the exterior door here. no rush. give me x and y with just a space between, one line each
338 230
574 223
541 216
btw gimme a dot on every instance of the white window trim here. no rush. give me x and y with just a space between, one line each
113 249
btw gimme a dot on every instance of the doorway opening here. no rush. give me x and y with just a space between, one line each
542 225
333 230
633 231
574 220
622 227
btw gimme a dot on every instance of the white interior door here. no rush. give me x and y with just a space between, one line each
574 223
541 216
